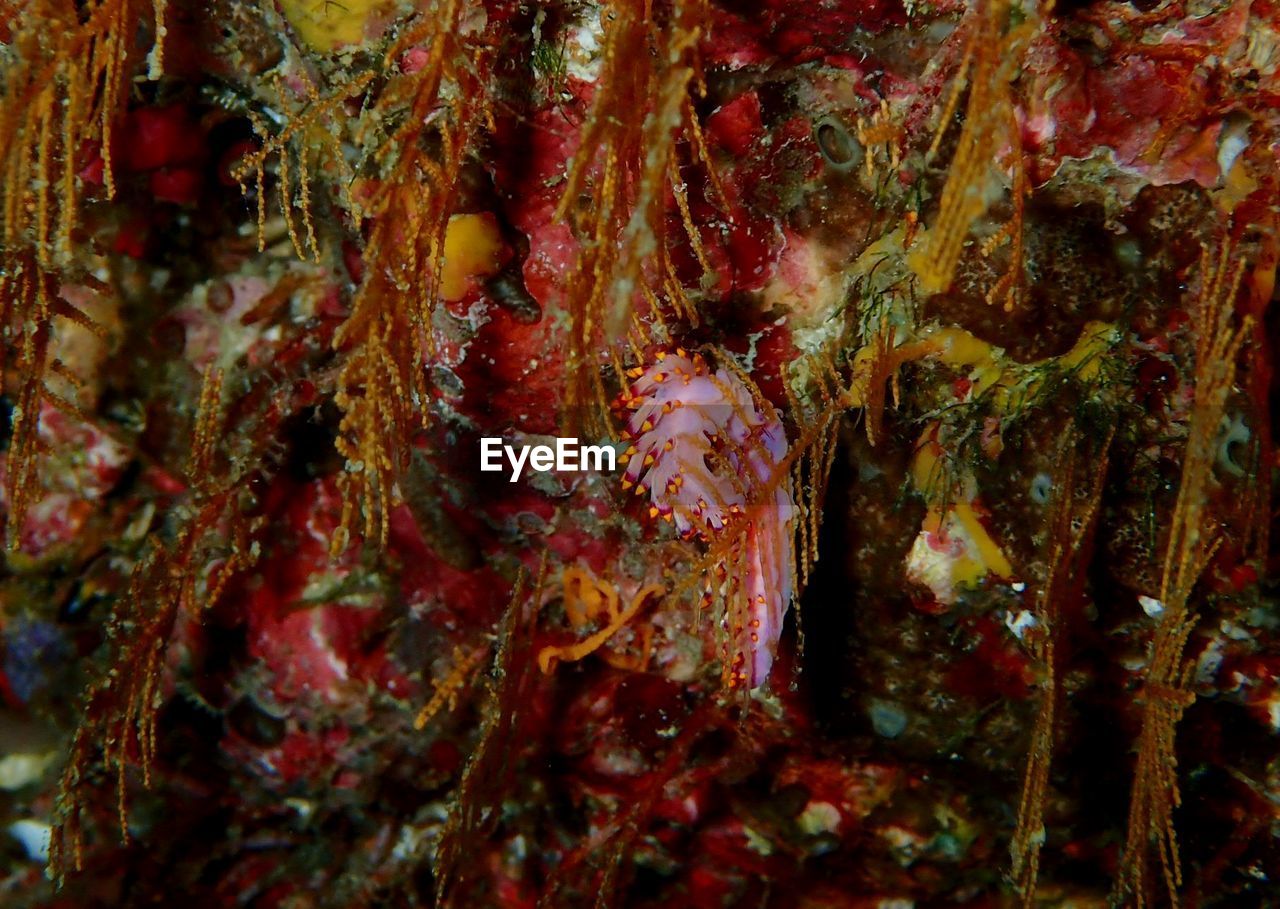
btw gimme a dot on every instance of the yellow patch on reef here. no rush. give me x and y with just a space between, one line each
957 347
920 259
990 557
1237 185
860 384
1085 356
954 551
926 465
326 25
472 249
976 553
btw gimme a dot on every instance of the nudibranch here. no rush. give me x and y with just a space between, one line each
711 457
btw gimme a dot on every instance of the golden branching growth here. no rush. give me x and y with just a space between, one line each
813 456
120 706
442 110
307 138
1071 521
448 689
882 137
61 94
28 301
993 49
1193 539
642 109
875 371
833 391
1010 288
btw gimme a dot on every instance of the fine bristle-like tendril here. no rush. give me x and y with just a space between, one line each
631 163
991 53
489 770
120 707
1070 526
1193 539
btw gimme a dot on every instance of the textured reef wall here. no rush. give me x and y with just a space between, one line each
931 343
